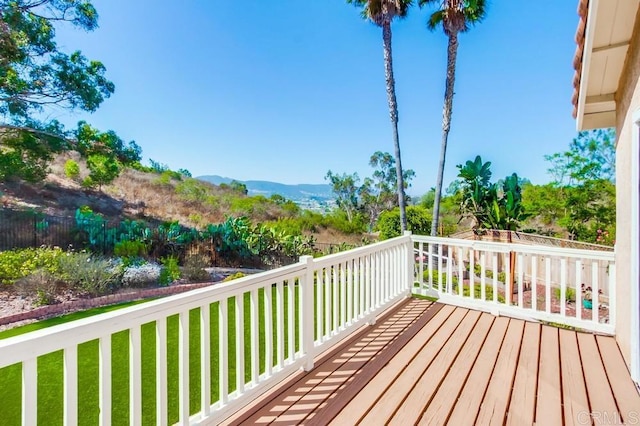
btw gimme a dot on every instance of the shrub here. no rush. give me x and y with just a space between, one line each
571 294
194 268
143 275
130 249
443 277
192 189
418 222
41 284
88 274
71 169
234 276
170 270
477 292
16 264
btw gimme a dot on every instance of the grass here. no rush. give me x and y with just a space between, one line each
50 368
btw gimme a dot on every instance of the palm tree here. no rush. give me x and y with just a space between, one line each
456 16
381 13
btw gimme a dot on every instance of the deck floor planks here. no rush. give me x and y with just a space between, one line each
600 396
438 410
310 391
458 366
353 412
466 408
393 396
495 403
411 409
624 391
574 391
549 402
523 399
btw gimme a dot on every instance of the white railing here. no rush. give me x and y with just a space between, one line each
544 283
213 349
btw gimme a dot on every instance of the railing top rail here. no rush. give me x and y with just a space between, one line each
331 259
521 248
47 340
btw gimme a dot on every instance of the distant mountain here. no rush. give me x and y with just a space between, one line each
299 193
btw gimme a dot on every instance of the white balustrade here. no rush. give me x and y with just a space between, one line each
524 281
277 322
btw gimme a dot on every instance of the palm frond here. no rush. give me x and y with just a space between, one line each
380 10
423 3
435 19
474 12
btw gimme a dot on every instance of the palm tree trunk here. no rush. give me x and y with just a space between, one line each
452 52
393 113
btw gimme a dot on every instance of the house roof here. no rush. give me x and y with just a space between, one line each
604 32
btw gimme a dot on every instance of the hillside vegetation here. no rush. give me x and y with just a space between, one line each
161 195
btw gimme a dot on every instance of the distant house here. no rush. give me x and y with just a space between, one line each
607 94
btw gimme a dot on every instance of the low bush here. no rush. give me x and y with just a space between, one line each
130 249
436 279
193 269
143 275
170 271
234 276
418 222
88 274
20 263
570 294
71 169
41 284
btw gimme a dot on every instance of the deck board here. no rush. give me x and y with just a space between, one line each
574 391
600 396
358 407
496 400
426 386
429 363
397 392
442 402
525 385
624 391
549 401
466 408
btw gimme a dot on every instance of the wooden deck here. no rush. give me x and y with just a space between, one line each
428 363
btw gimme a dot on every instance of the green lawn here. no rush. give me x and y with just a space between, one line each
50 386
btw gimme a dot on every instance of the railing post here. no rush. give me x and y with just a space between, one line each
408 278
306 296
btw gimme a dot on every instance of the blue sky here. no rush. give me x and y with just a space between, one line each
287 90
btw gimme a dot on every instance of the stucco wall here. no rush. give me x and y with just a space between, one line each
627 103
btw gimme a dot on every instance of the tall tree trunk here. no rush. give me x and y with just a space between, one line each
452 52
393 113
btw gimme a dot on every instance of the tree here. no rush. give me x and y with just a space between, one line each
33 72
381 13
380 192
103 169
238 187
345 187
26 153
491 205
591 156
455 16
584 181
90 140
418 220
476 190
